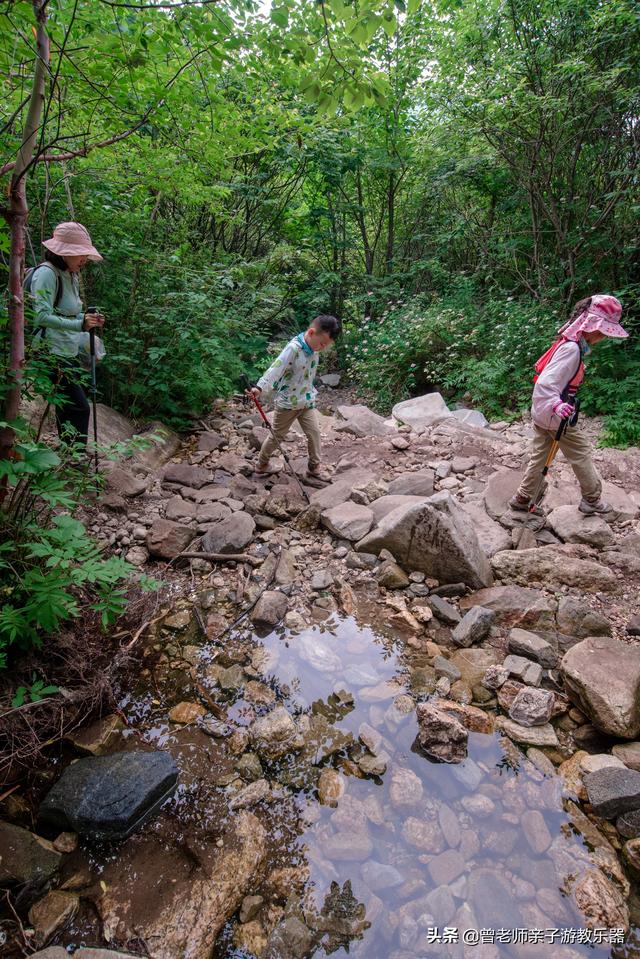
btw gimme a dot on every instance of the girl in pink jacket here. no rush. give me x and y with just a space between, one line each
562 372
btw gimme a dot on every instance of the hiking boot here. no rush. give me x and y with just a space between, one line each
522 505
265 470
317 473
590 508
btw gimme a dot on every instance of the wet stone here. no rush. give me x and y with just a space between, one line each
348 847
441 735
405 788
25 857
379 876
446 867
110 796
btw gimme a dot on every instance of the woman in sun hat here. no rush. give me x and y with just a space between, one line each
560 372
63 324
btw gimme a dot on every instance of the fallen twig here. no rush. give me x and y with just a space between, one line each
221 558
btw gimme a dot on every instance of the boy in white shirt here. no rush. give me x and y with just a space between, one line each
290 379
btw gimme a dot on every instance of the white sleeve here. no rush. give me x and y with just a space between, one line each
554 379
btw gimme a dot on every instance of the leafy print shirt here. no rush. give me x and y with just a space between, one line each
290 377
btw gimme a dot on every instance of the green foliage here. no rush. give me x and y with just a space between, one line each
457 345
51 570
33 693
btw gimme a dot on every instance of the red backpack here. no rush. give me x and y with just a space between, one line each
543 361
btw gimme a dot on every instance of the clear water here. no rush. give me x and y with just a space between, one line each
387 834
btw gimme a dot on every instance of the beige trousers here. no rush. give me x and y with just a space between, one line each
283 420
577 451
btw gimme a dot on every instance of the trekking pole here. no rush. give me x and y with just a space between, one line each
247 384
94 392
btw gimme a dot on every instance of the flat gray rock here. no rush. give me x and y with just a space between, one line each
524 643
182 474
613 791
230 535
418 483
473 627
108 797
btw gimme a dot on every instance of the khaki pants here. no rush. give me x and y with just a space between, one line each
283 420
577 451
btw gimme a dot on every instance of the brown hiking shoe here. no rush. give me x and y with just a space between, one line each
317 473
522 505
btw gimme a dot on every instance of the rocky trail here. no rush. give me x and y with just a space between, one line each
379 729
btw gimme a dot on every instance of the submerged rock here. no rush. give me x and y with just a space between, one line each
275 734
108 797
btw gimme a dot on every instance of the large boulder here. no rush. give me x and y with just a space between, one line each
386 504
493 537
435 537
471 417
602 675
231 535
572 526
421 411
348 520
113 427
108 797
162 444
167 539
25 857
360 421
553 566
418 483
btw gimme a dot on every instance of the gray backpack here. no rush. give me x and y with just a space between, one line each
28 280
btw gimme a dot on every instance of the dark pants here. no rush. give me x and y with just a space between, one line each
74 410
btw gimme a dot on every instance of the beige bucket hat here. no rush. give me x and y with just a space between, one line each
72 239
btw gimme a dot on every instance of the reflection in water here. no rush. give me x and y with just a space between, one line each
428 850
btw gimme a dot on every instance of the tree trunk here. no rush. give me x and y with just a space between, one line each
16 214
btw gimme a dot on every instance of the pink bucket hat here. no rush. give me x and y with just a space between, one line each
603 315
72 239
